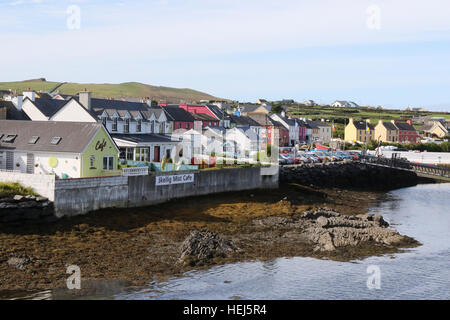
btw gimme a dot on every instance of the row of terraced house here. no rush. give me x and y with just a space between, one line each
83 136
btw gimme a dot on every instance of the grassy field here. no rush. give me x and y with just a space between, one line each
340 116
106 90
362 113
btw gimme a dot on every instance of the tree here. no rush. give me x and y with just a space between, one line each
277 108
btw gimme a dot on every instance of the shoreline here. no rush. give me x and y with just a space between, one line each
132 247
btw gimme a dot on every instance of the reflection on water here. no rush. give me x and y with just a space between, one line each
420 273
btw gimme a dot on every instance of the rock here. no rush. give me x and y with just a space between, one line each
321 212
274 221
41 199
28 204
201 245
378 219
18 197
19 263
329 230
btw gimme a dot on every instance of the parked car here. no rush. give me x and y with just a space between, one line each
344 155
312 157
354 154
284 159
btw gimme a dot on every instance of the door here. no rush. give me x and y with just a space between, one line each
30 163
156 157
9 160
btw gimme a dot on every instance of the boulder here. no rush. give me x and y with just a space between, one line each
201 245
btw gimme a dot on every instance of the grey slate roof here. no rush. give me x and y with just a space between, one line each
389 126
427 127
11 111
218 112
203 116
243 121
404 126
361 125
142 138
48 107
178 114
75 135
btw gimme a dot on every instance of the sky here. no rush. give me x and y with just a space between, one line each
390 53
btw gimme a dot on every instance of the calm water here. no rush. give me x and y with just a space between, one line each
421 273
421 212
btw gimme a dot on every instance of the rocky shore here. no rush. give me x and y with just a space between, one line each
349 175
135 246
26 209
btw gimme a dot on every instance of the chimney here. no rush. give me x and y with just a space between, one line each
85 99
29 94
380 121
350 120
283 113
19 102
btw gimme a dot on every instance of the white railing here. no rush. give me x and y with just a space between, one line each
135 171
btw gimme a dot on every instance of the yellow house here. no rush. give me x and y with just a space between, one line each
434 129
63 149
359 131
386 132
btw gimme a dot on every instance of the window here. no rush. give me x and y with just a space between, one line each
104 121
162 127
1 160
9 138
114 125
33 140
92 162
152 129
130 154
139 125
126 127
108 163
55 140
142 154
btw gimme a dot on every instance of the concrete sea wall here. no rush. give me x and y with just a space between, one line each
79 196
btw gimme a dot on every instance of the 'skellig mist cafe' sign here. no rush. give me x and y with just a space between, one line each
174 179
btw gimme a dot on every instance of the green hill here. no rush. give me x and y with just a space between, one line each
106 90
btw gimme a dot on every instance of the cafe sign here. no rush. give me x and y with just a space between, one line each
174 179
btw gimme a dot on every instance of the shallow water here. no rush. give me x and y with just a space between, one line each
421 212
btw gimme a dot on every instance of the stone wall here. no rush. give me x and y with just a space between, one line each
22 209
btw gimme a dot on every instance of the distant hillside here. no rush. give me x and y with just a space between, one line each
106 90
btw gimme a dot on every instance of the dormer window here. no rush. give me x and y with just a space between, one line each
126 126
104 121
114 125
139 125
152 129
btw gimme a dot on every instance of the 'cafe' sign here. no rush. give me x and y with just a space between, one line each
174 179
